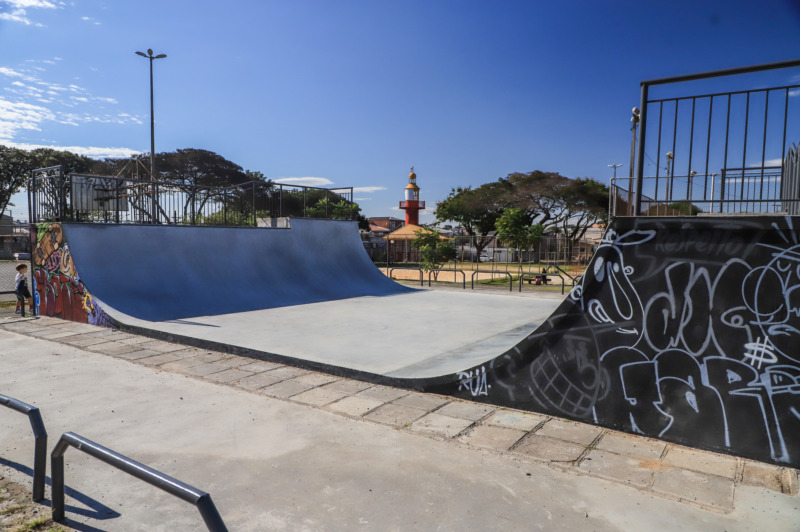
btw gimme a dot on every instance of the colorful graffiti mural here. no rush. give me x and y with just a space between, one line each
681 329
61 293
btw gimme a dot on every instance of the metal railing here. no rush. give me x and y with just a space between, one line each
40 442
55 196
742 131
437 271
510 278
173 486
731 191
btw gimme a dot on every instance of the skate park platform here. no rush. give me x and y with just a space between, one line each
684 329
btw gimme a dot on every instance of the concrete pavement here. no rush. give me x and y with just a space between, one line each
281 448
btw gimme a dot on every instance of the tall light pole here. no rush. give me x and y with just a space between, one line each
635 120
614 166
670 157
149 55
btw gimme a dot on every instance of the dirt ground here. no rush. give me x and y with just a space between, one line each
18 513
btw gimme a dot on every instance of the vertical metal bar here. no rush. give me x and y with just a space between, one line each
708 146
723 174
31 195
691 146
658 151
783 142
671 184
764 148
255 221
744 149
637 199
280 203
57 479
116 200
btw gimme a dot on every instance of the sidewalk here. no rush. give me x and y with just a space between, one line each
280 448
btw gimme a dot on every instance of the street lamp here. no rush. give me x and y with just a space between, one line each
614 166
635 120
149 55
670 156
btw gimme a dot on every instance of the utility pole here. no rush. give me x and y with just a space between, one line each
635 121
149 55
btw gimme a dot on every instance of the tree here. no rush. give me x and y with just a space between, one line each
585 203
475 210
514 230
433 249
341 210
15 169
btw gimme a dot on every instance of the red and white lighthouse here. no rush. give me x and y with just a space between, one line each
412 204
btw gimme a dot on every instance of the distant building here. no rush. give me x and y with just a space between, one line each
386 222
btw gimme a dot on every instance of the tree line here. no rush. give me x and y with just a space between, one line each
521 207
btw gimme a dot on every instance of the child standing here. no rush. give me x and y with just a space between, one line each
21 288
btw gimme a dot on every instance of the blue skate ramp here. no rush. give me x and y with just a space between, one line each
159 273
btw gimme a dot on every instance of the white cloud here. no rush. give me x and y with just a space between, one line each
795 92
90 151
304 181
362 199
18 9
21 116
367 190
10 73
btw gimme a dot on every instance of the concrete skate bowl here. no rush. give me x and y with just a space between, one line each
160 272
684 329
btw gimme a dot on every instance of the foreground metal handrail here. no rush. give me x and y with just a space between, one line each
40 442
510 279
200 499
528 274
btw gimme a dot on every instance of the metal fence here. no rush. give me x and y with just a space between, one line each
54 195
552 250
719 151
730 191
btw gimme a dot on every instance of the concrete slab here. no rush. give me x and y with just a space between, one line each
318 397
709 491
775 478
714 464
464 410
570 431
616 467
260 380
514 419
396 415
355 406
422 401
635 446
442 426
549 449
492 437
484 326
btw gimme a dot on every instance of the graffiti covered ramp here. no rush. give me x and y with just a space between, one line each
685 329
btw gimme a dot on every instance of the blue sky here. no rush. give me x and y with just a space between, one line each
353 93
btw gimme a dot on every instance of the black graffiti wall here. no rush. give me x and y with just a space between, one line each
685 329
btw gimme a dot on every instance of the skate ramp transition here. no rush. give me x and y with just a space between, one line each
162 272
684 329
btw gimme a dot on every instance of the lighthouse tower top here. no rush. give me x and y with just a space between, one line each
412 190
